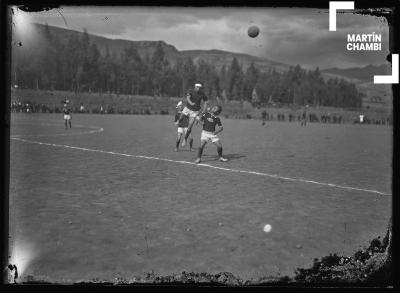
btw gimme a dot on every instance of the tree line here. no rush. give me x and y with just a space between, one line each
76 64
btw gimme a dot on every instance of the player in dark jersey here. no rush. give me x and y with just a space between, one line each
264 117
67 116
304 118
183 122
193 107
210 120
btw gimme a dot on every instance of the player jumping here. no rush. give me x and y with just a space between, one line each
183 122
210 120
193 107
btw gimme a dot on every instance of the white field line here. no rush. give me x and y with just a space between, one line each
202 165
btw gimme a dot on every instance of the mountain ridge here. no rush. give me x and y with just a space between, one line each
362 77
365 73
218 57
146 48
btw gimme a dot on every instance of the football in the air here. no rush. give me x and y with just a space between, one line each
253 31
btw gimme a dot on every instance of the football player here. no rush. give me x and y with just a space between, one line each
211 127
183 122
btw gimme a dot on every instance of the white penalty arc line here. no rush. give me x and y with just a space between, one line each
204 165
95 130
57 123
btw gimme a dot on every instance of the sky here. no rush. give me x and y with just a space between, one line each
288 35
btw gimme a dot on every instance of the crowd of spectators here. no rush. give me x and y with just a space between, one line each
24 106
29 107
18 106
322 118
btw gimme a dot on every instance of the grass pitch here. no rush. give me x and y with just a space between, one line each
80 214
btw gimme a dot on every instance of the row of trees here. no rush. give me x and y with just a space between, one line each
76 64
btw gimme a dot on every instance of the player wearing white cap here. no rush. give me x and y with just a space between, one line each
193 107
182 126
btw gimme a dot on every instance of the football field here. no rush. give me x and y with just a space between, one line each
111 198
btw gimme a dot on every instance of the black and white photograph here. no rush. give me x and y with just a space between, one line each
201 146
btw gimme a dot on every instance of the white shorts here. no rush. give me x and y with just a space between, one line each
67 117
190 113
209 136
182 130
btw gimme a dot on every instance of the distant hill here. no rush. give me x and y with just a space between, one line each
363 74
361 77
115 46
217 57
220 58
147 48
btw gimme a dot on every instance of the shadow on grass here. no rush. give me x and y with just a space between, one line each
194 150
213 158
